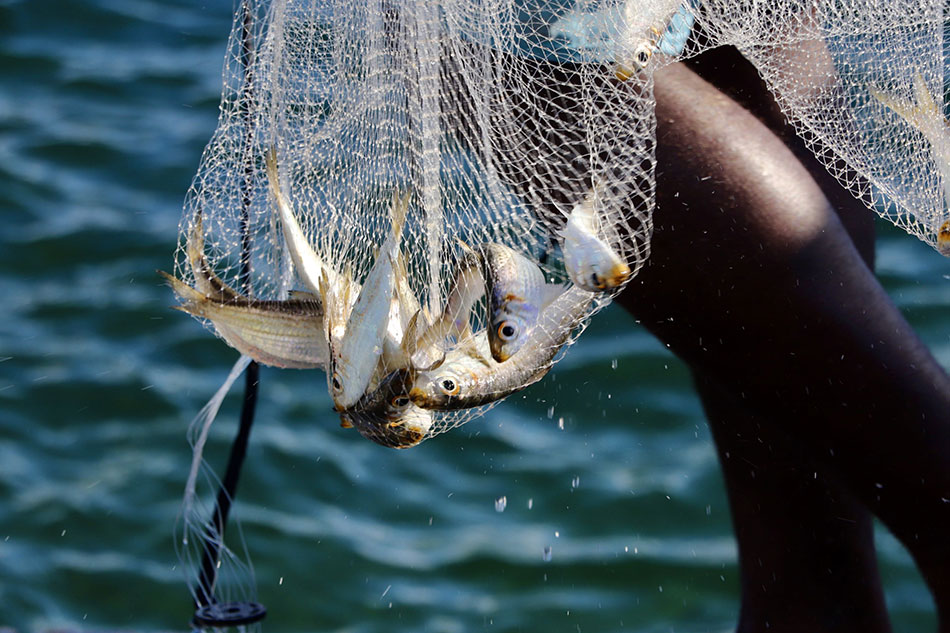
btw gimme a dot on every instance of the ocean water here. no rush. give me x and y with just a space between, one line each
105 106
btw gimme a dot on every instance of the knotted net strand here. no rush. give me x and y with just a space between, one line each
497 117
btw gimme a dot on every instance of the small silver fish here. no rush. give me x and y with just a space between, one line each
517 293
644 24
467 378
405 305
309 265
428 347
387 416
591 263
278 333
355 352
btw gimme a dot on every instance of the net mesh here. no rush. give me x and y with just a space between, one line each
522 124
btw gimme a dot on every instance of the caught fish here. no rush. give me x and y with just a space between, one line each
591 263
278 333
405 305
611 33
927 117
468 287
308 264
517 293
206 282
469 378
286 334
645 24
355 349
387 416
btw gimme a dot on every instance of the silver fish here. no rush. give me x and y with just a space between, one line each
517 293
591 263
405 305
278 333
355 351
468 379
428 347
387 416
310 266
644 24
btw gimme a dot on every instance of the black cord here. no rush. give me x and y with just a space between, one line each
208 612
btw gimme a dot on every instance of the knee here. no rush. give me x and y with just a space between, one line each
724 178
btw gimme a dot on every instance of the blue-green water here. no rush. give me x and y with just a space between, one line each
105 106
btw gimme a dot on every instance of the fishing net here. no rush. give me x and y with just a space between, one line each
420 136
409 162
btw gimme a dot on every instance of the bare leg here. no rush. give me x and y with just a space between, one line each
756 284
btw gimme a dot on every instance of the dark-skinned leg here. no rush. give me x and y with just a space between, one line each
806 544
754 279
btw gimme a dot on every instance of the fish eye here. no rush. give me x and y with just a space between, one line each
507 330
335 381
597 282
449 387
400 401
643 54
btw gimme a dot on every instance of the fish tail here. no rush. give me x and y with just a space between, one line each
915 114
183 290
400 209
925 100
206 281
272 178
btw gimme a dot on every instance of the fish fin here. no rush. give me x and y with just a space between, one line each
206 281
926 104
905 109
346 424
183 290
272 179
399 266
399 210
467 344
304 295
410 341
917 114
347 288
435 365
468 250
325 296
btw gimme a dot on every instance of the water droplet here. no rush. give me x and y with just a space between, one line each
626 548
576 481
63 533
530 505
501 503
613 364
550 412
557 534
560 423
546 556
708 510
281 581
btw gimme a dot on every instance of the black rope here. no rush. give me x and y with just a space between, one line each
208 611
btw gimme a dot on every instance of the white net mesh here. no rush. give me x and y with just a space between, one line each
521 135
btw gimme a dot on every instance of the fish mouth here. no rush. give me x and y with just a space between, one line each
619 274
